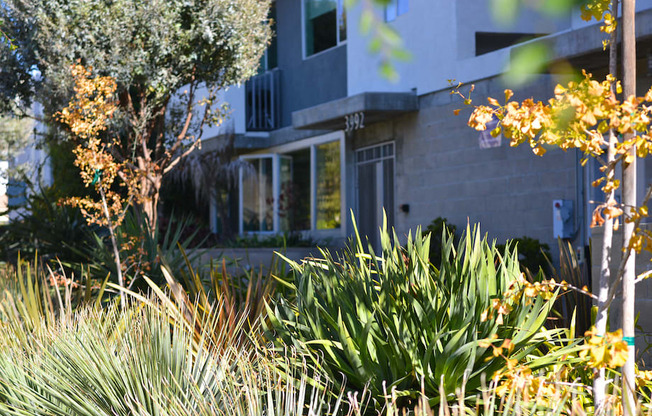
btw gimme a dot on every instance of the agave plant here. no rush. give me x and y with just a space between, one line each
116 361
395 322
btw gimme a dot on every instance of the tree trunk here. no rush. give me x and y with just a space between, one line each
629 201
150 194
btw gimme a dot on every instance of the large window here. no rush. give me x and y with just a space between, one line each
324 24
297 188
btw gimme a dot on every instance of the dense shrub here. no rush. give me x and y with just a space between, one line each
396 322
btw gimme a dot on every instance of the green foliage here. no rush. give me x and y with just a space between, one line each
142 250
532 254
273 241
133 362
573 304
397 323
31 297
224 310
154 47
47 227
65 176
438 229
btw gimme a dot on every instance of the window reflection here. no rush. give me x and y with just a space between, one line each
328 196
258 197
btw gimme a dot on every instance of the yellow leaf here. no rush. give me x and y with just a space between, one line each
510 93
539 151
598 355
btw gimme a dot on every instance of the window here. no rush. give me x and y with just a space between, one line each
374 189
486 42
298 188
395 8
257 201
324 25
328 186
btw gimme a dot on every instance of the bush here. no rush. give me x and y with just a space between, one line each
396 322
141 252
532 254
47 227
437 229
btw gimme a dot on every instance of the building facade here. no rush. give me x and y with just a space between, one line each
327 134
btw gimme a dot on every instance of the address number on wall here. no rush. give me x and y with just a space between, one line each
354 121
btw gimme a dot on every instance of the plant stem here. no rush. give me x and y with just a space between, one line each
114 243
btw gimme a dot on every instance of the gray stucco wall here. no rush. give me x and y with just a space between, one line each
305 82
442 171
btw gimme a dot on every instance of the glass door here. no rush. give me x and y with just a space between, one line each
375 191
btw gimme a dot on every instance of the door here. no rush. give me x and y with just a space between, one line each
375 191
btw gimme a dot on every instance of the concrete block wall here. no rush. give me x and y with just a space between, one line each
441 170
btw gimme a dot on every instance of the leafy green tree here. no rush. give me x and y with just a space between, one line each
168 58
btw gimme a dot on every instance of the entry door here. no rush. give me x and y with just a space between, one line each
375 191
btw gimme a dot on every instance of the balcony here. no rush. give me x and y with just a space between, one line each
262 107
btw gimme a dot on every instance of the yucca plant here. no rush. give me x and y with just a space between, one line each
32 292
132 361
222 310
392 322
142 251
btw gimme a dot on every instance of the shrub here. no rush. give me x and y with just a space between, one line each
532 254
44 226
133 362
438 229
395 322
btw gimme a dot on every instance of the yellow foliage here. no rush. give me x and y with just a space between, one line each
609 351
88 116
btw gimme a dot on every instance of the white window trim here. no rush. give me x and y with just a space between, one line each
339 10
275 153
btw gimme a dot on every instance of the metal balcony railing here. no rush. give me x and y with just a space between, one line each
263 101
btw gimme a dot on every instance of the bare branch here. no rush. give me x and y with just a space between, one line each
195 145
626 255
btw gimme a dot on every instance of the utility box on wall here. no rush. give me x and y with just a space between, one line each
563 225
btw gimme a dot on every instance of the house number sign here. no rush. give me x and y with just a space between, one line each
354 121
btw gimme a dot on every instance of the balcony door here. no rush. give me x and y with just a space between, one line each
375 190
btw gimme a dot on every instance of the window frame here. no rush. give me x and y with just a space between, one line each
278 152
339 12
400 7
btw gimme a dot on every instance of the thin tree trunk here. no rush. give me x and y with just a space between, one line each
116 251
599 383
629 200
150 192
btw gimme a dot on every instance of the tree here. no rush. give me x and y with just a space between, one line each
588 115
169 60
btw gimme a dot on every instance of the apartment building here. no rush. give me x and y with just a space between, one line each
326 134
